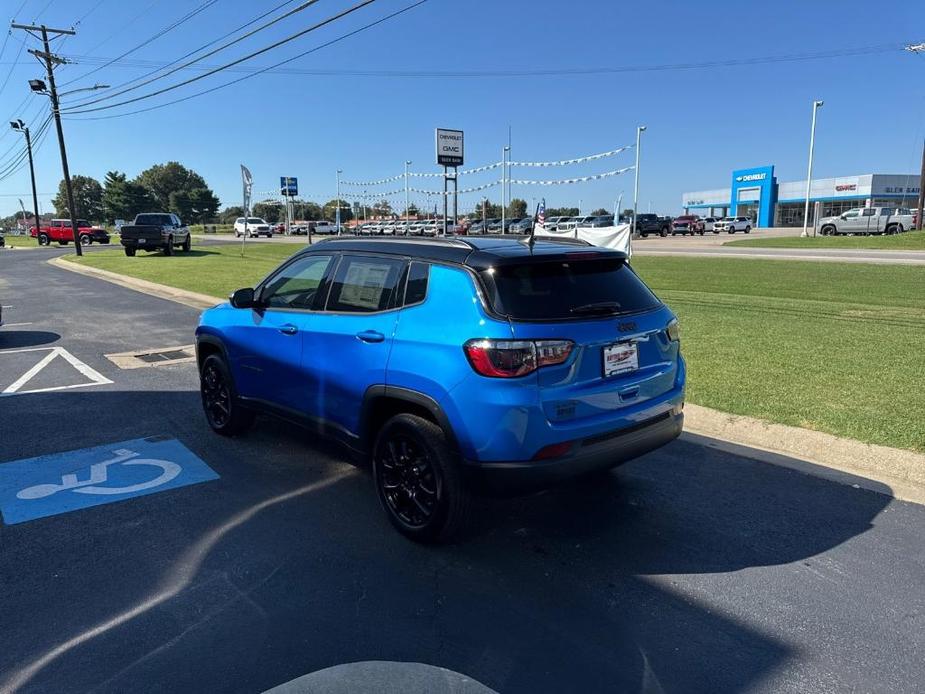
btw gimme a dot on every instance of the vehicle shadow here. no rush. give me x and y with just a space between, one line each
638 581
10 339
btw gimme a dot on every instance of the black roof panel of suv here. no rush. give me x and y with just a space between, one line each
478 252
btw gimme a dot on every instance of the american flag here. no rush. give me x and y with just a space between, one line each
541 213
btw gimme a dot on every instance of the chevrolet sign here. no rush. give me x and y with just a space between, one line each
752 177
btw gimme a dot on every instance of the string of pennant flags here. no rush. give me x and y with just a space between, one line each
378 195
489 167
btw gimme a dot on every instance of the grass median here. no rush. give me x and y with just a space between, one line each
907 241
834 347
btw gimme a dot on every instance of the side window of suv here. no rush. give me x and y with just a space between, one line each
365 284
416 286
297 285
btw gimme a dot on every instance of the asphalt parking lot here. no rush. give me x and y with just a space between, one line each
265 558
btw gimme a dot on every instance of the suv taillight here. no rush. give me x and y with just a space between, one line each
512 358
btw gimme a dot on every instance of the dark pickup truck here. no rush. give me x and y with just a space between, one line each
155 230
651 224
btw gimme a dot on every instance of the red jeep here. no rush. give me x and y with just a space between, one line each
60 231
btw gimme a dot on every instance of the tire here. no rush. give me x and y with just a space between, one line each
237 235
748 230
663 233
828 230
899 229
644 235
716 231
85 240
731 230
44 240
426 501
219 399
168 249
187 245
130 252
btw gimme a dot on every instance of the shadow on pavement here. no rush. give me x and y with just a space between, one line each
10 339
614 585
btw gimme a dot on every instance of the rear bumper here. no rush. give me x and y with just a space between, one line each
594 453
143 243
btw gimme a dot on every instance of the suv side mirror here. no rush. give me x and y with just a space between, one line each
243 298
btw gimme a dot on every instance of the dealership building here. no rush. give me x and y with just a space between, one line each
755 193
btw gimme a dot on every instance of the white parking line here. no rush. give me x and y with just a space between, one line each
95 378
15 325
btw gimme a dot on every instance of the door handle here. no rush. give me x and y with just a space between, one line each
288 329
371 336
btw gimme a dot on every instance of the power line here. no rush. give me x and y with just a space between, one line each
254 54
262 70
189 15
159 67
533 72
305 5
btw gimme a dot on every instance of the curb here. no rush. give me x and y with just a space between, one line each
161 291
882 469
902 471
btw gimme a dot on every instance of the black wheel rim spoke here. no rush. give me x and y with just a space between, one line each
215 396
407 480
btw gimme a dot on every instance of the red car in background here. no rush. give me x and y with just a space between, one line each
60 231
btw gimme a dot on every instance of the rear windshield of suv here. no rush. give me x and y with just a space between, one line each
558 290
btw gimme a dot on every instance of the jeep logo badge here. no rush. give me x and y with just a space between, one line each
626 326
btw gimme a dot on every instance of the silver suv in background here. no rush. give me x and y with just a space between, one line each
868 220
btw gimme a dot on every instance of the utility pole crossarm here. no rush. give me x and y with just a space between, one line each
32 27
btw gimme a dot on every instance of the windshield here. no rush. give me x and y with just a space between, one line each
553 290
255 220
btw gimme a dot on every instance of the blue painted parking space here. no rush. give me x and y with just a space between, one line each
63 482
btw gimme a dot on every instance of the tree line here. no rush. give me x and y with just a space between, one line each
169 187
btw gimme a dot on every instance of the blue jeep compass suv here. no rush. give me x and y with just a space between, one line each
452 363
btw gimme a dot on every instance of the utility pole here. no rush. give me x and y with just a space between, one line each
19 125
50 60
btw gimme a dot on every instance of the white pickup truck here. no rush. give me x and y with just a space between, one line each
868 220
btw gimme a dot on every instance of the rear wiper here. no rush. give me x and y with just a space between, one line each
598 307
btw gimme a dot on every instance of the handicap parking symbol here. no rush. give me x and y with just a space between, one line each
62 482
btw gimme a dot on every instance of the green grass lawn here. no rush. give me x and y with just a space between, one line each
835 347
20 241
908 241
215 270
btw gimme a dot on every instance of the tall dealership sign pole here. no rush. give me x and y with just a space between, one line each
809 172
449 153
639 131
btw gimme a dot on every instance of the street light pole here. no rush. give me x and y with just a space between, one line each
639 131
504 152
809 172
19 125
407 204
337 214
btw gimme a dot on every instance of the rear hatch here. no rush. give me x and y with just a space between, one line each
622 354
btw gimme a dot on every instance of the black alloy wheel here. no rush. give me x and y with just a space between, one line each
216 396
224 414
407 480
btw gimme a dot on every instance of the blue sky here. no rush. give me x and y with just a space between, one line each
702 123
